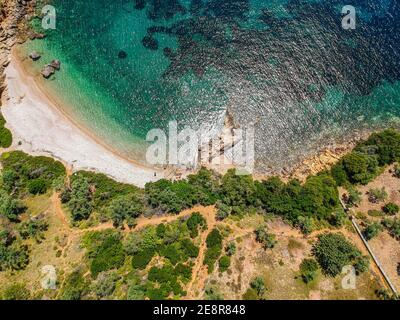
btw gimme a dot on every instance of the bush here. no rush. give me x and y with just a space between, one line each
141 259
80 202
33 229
361 264
136 292
105 251
372 230
5 137
230 248
308 270
37 186
267 240
391 208
223 211
377 195
10 207
195 221
258 285
333 252
74 286
214 249
105 283
224 263
17 291
214 239
125 208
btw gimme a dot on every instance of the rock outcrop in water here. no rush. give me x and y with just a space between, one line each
47 71
34 56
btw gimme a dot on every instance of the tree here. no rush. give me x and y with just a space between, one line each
80 204
267 240
258 285
333 252
391 208
361 264
308 269
224 263
223 211
37 186
230 248
74 286
124 208
372 230
354 197
10 207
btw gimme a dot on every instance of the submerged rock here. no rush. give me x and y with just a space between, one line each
34 56
150 43
122 54
47 71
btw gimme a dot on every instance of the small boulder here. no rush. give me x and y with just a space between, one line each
47 71
56 64
34 56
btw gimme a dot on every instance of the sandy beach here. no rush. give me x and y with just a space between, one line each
40 128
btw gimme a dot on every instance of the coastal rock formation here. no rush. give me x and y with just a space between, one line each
14 17
48 71
34 56
55 64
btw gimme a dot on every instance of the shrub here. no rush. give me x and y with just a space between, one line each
223 211
224 263
375 213
195 221
391 208
214 239
354 197
13 256
5 137
361 264
33 229
189 249
230 248
74 286
105 251
258 285
16 291
10 207
333 252
308 270
141 259
37 186
124 208
80 202
267 240
136 292
105 283
372 230
377 195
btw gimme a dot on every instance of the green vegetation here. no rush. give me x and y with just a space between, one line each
257 289
391 208
74 286
16 291
372 230
13 254
33 228
377 195
267 240
363 164
333 252
5 134
104 250
195 221
393 226
224 263
214 249
308 270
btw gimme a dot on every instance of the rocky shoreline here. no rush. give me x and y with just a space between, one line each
14 18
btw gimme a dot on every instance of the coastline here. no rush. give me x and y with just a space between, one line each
39 127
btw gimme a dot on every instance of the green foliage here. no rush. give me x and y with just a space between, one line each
333 252
250 294
195 221
5 134
166 279
224 263
258 285
26 168
136 292
372 230
393 227
9 207
105 251
317 198
80 202
105 283
354 197
212 293
223 211
33 228
73 287
13 254
230 248
16 291
171 252
361 264
391 208
308 270
214 249
267 240
376 195
141 259
37 186
125 207
238 190
189 249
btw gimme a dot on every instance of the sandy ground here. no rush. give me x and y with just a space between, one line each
39 128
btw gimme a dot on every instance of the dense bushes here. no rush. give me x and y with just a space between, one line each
372 230
74 286
195 222
16 291
13 254
5 134
105 251
267 240
308 270
333 252
362 165
214 249
22 170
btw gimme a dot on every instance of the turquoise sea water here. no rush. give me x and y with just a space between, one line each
286 66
